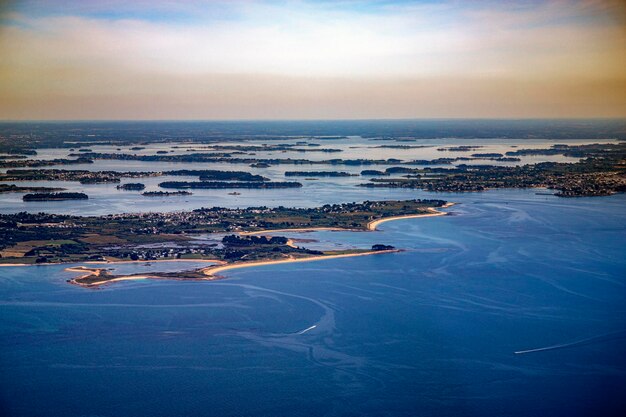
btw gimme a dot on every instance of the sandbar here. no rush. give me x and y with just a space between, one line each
211 271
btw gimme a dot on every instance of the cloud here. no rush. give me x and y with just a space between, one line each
281 59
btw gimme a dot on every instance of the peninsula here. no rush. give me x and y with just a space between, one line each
49 238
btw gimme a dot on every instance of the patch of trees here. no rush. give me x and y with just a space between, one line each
55 196
234 240
373 172
164 193
487 155
131 186
379 247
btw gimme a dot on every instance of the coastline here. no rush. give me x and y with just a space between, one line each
97 271
211 271
370 227
433 212
115 262
131 278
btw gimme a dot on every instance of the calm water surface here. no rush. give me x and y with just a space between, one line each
430 331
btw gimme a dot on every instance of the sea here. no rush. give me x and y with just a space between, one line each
514 304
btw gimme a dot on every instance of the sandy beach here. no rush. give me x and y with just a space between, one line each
132 278
97 271
211 271
371 226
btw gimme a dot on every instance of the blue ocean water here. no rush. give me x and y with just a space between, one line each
430 331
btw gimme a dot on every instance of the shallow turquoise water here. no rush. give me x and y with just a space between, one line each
430 331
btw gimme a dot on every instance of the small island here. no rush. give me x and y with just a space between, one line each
373 172
487 155
461 148
132 186
164 193
55 196
12 188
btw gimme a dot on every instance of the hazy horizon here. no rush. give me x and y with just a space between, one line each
407 119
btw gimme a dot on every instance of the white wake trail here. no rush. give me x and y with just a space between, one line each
587 341
307 329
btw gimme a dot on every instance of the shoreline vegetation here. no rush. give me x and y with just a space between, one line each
95 277
52 238
373 225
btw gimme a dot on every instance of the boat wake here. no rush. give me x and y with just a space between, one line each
582 342
307 329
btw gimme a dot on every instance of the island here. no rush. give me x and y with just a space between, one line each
373 172
131 186
55 196
461 148
33 163
487 155
164 193
12 188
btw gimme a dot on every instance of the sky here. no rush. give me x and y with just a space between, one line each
346 59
